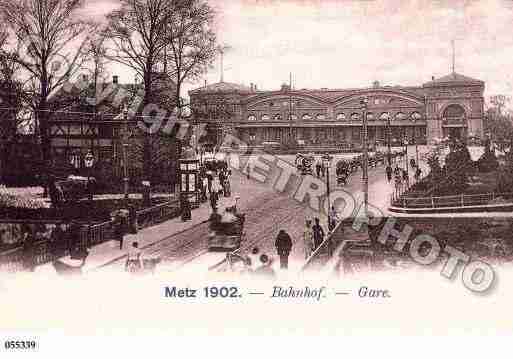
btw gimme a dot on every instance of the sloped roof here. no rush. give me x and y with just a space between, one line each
454 78
223 87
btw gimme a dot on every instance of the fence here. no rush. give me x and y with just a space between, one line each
46 251
158 214
462 200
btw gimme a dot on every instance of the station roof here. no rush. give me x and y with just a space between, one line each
454 79
222 87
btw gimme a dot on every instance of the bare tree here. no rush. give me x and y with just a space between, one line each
97 56
137 31
192 42
46 32
499 102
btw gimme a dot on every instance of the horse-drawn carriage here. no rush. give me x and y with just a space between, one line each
342 171
226 231
304 163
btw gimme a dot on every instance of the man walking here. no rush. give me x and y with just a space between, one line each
318 233
214 197
389 172
332 219
283 246
318 167
308 239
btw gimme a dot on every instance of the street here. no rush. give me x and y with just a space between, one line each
267 212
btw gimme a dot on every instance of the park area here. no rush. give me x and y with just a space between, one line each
461 176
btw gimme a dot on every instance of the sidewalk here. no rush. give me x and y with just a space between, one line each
108 252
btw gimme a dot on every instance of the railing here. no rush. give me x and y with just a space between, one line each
46 251
11 261
462 200
100 233
158 214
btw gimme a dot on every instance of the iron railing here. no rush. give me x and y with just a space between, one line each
45 251
462 200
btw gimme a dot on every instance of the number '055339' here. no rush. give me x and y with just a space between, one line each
20 344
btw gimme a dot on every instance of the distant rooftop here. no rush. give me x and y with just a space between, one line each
454 78
223 87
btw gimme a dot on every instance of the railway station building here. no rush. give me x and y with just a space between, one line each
450 106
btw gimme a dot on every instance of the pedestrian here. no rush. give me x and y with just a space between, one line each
308 239
134 262
210 179
119 229
332 219
418 173
265 270
214 197
398 184
406 179
397 171
283 246
186 208
318 167
389 172
318 233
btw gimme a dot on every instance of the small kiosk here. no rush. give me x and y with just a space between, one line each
189 179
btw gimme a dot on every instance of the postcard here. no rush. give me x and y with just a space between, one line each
182 177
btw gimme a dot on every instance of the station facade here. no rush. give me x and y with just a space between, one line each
450 106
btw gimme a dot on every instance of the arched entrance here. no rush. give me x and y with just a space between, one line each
454 122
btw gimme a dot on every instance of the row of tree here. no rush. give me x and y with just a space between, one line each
46 44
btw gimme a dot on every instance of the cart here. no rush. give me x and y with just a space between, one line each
342 171
226 232
304 164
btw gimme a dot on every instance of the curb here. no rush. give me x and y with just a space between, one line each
149 245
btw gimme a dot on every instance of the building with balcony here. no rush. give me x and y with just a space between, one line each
450 106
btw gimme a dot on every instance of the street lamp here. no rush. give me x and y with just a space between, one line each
89 161
406 154
365 167
125 150
389 149
326 160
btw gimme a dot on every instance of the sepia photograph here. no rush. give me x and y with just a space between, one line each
350 160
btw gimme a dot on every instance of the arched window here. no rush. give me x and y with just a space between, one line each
277 117
293 117
341 116
415 116
265 117
384 116
355 116
370 116
400 116
306 117
454 112
251 118
321 117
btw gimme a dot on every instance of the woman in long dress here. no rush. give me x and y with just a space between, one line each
134 261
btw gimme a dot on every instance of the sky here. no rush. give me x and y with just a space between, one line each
351 43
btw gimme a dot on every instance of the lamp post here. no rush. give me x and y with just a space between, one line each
417 152
406 154
365 167
125 154
326 159
89 161
389 149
